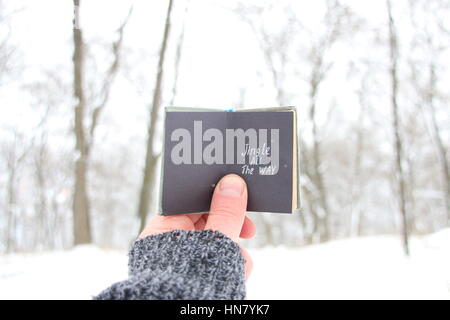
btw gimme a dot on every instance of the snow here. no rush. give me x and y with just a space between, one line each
75 274
364 268
358 268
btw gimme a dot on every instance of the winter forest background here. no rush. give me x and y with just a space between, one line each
80 111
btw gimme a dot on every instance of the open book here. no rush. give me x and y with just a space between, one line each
203 145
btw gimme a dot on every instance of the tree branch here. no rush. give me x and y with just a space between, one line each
110 76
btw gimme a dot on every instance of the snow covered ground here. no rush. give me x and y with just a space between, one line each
372 267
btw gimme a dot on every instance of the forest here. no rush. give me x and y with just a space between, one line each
83 86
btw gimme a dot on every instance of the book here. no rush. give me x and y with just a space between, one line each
203 145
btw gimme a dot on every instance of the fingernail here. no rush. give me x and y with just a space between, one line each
231 186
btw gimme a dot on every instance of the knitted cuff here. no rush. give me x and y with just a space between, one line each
209 263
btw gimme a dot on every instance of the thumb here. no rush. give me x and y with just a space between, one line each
228 206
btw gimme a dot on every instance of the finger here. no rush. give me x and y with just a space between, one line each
161 224
201 223
228 206
248 267
195 217
248 229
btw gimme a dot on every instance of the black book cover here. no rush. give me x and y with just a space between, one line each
201 147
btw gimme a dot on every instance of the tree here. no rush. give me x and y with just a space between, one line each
178 55
151 159
285 51
400 175
16 153
83 130
431 46
15 158
7 50
441 149
357 182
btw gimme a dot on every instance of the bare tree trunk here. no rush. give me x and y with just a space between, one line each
10 211
14 161
440 147
323 218
84 135
356 186
151 160
41 206
178 55
81 223
308 232
393 45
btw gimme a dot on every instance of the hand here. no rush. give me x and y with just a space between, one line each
227 215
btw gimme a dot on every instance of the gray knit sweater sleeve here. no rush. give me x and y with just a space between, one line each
193 265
